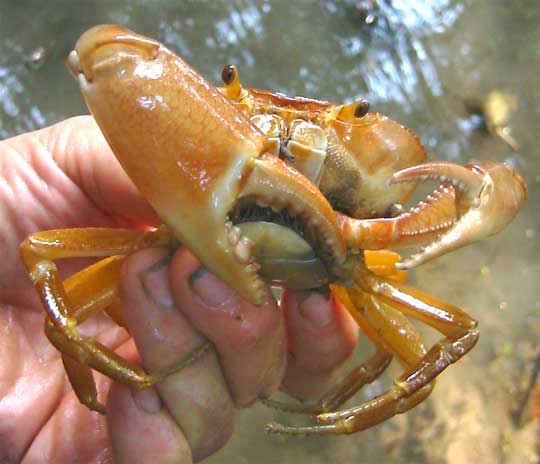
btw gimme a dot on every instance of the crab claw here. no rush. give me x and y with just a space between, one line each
191 154
488 196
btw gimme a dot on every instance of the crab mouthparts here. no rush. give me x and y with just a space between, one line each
278 243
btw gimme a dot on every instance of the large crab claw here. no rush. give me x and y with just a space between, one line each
190 152
488 196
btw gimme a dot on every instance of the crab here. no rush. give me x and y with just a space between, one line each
268 189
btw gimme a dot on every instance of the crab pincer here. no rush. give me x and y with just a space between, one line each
488 196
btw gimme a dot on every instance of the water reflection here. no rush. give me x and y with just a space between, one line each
313 49
425 18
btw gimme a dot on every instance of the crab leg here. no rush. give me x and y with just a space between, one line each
410 388
89 291
381 263
345 389
84 294
377 300
390 332
82 381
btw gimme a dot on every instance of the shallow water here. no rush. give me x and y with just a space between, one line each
416 62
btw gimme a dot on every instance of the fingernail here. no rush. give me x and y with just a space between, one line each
147 400
155 282
316 308
209 288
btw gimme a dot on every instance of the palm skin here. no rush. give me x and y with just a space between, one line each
65 176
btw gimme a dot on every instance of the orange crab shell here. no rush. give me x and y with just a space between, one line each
165 153
362 153
374 149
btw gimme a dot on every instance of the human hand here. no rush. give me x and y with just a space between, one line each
66 176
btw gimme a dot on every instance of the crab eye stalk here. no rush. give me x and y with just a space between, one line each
353 111
231 79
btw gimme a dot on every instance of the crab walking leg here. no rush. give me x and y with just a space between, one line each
86 293
83 384
376 293
94 289
89 291
351 384
347 387
460 336
381 262
442 316
391 332
79 353
400 338
43 247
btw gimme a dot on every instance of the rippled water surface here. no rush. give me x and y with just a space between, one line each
417 61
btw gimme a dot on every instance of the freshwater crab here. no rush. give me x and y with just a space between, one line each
259 185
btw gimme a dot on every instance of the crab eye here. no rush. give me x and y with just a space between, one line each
229 74
231 79
362 108
353 111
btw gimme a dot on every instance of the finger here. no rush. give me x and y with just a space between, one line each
141 430
250 340
321 337
78 147
61 176
196 397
